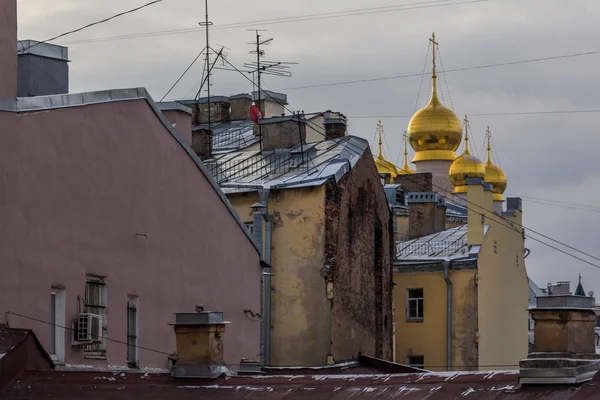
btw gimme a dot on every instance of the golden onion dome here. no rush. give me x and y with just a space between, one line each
434 131
384 166
494 174
405 169
465 166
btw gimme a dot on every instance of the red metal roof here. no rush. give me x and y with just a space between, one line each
433 386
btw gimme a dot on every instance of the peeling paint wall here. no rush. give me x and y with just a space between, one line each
359 247
464 320
300 330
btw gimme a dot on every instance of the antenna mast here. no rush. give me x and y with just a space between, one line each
276 68
206 24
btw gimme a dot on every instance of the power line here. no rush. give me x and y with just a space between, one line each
552 204
510 223
485 114
93 24
73 330
182 75
281 20
539 59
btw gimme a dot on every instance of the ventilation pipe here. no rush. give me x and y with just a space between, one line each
264 199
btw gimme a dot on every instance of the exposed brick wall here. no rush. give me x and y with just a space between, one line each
421 182
359 246
219 112
421 219
240 109
281 135
440 218
202 143
335 131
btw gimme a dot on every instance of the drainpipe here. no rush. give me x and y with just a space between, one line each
264 198
448 315
257 210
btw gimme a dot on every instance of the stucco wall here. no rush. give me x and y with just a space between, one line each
8 48
301 315
362 276
314 134
105 189
503 295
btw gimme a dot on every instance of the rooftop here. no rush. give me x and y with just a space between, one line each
231 136
300 166
445 385
450 244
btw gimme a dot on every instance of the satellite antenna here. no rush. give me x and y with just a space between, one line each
275 68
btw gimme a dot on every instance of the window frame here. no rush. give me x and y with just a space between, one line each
97 351
419 305
58 320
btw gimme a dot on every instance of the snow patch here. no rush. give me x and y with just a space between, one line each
507 387
369 389
468 392
205 387
108 378
254 389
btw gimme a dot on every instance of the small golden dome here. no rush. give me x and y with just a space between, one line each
465 166
405 169
383 165
494 174
434 131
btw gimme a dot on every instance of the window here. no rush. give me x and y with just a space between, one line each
414 306
416 361
95 303
250 227
598 321
57 320
132 332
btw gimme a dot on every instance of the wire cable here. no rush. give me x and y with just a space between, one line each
510 223
182 75
281 20
73 330
460 69
483 114
93 24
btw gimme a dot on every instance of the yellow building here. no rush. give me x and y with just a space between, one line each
460 289
319 212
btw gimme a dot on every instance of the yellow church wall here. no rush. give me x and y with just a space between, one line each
503 296
300 310
428 338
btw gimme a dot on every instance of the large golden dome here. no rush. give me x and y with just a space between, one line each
494 174
383 165
434 131
465 166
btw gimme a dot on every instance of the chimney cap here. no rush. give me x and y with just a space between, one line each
258 207
200 318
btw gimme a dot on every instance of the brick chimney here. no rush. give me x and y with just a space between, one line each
180 117
199 338
422 212
440 214
281 132
420 182
335 124
271 103
202 142
564 349
240 107
8 49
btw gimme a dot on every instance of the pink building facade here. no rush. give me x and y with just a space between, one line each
105 210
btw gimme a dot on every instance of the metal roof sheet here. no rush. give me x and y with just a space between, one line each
239 171
448 244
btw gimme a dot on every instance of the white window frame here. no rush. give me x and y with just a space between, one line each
58 295
419 303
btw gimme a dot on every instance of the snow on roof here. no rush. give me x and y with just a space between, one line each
443 245
231 136
300 166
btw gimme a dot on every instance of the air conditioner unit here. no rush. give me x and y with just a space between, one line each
88 329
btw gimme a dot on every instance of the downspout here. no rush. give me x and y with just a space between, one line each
257 237
266 315
448 315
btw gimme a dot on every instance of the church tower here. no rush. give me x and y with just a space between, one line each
435 133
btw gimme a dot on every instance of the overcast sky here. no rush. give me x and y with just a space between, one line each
553 157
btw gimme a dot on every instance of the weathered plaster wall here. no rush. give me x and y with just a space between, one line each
105 189
301 314
503 294
359 248
464 320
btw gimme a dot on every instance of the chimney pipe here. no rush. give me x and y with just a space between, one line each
199 338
